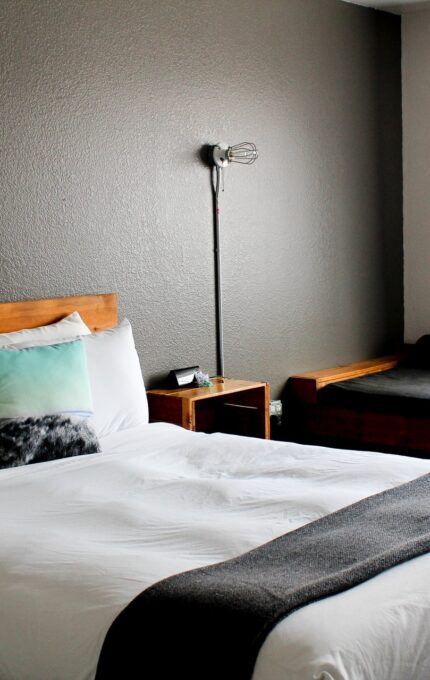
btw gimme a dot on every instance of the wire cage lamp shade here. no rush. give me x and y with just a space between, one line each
245 153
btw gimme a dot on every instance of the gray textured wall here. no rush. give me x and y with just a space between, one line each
416 116
105 105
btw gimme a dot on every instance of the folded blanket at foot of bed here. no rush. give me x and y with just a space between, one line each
210 623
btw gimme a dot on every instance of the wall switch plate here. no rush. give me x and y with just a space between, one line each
276 408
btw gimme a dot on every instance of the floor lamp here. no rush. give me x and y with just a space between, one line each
221 156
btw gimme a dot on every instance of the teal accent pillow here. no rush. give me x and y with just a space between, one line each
45 401
40 380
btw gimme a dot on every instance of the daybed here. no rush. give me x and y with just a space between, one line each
382 404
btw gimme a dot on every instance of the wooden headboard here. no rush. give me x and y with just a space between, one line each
98 312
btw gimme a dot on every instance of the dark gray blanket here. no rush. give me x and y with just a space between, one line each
209 623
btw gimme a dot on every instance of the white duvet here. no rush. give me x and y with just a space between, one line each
81 537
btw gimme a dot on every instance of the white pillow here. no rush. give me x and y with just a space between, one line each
119 396
64 330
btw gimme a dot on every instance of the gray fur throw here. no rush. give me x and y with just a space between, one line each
42 438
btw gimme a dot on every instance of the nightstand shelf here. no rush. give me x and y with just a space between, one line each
230 406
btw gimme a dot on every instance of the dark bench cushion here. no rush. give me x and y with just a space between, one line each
402 390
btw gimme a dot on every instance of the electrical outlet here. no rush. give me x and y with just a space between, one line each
276 408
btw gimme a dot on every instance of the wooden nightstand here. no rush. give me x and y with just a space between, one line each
230 406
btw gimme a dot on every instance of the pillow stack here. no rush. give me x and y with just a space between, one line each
62 387
45 402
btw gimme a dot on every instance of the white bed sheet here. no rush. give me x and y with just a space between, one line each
81 537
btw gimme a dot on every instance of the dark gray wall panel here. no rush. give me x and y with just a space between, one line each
105 105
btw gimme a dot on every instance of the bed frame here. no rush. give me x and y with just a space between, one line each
312 422
97 311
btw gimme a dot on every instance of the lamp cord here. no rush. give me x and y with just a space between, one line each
216 180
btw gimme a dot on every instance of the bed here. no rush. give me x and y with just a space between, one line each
82 536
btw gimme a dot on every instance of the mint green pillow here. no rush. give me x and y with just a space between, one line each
45 401
45 380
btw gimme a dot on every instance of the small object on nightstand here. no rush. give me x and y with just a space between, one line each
202 379
230 406
180 377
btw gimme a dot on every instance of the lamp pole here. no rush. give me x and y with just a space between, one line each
218 275
222 155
